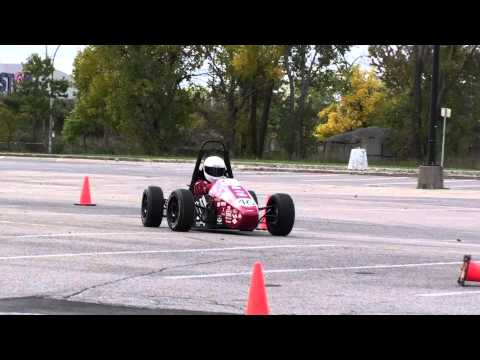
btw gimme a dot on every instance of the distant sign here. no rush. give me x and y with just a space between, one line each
6 83
446 112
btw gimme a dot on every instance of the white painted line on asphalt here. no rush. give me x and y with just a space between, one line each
454 293
393 183
461 180
23 223
462 186
352 179
18 313
80 234
173 251
366 239
203 276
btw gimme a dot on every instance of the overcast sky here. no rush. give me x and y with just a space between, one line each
16 54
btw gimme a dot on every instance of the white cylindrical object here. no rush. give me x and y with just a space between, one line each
358 160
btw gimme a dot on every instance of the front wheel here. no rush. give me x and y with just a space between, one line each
152 206
180 210
280 214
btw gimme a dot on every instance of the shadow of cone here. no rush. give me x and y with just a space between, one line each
257 295
263 223
85 199
470 271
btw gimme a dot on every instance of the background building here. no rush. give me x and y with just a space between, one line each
9 72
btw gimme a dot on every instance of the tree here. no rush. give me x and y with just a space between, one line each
306 66
224 83
258 67
36 90
139 90
8 124
406 72
355 108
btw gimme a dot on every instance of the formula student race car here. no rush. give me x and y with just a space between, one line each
225 205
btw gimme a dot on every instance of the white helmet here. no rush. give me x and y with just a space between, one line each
214 168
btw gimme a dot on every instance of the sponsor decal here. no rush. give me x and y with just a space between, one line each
246 202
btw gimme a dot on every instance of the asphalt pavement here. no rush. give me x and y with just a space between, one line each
360 244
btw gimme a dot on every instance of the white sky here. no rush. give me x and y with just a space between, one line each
16 54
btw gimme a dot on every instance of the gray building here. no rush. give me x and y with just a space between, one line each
9 74
374 139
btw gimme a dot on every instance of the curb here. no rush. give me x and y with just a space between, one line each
312 169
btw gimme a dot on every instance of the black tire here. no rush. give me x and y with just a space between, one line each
152 206
281 217
254 196
180 210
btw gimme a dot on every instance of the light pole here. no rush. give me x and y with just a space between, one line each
50 122
431 158
430 175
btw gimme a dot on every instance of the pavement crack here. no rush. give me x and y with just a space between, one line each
111 282
154 272
214 302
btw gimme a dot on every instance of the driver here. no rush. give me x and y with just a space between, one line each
213 169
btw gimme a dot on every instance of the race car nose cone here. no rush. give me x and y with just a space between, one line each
248 219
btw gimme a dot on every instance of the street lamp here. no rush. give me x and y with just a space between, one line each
430 175
431 158
50 122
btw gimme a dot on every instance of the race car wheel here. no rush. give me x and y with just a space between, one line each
152 206
180 210
281 215
254 196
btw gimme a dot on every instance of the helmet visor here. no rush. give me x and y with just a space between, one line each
214 171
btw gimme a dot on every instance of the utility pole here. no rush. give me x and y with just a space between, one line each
430 175
431 157
50 122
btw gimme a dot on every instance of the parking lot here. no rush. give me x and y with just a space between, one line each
360 244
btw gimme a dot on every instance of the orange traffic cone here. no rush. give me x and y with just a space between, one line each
257 295
470 271
263 223
85 199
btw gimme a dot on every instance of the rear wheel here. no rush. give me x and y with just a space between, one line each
152 206
180 210
281 214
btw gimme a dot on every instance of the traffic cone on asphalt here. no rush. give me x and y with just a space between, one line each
257 294
263 223
470 271
85 199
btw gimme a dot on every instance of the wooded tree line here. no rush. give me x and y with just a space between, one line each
160 99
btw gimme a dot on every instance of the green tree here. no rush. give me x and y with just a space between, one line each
259 69
307 67
35 92
406 72
139 90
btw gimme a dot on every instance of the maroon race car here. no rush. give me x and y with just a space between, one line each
222 204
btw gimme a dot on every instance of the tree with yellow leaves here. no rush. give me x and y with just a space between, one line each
259 69
355 109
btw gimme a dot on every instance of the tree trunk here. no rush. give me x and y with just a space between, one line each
264 119
232 120
291 106
305 84
253 122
